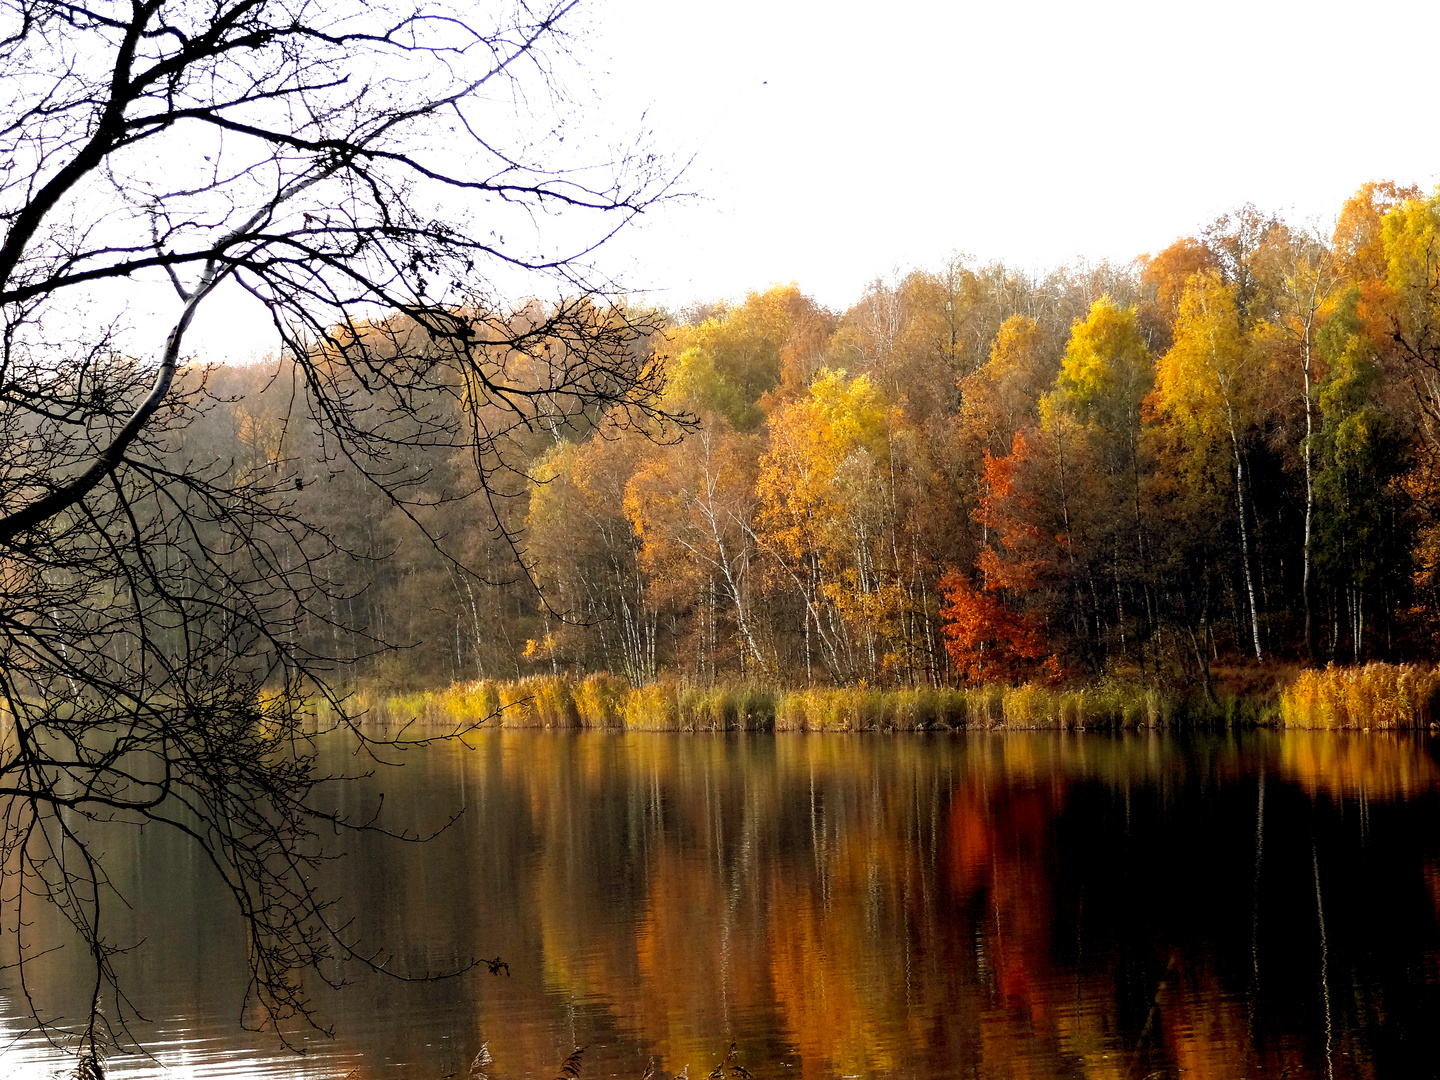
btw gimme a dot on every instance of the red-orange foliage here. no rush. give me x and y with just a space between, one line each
1008 516
986 641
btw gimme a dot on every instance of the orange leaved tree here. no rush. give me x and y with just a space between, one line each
986 641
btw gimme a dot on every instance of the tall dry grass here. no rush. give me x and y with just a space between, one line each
1382 696
606 701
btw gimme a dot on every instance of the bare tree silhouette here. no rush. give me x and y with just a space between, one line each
370 174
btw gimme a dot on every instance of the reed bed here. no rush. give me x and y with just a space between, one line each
610 702
1381 696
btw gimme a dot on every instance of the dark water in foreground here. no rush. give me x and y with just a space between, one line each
1022 905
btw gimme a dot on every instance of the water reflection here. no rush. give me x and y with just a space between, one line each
1362 766
1023 905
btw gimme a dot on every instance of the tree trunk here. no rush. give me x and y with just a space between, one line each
1244 535
1309 508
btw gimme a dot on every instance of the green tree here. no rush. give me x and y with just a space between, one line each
1360 452
1103 382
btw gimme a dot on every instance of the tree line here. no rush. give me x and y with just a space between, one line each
1226 451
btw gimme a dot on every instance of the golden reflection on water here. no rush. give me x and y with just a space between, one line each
1020 905
1377 765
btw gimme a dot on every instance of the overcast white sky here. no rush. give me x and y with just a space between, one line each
835 142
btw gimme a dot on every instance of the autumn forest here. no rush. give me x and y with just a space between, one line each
1224 453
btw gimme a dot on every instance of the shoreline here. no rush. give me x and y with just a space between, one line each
1382 697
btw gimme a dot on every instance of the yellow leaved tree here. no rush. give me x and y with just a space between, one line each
1205 399
729 360
827 515
1004 394
1410 312
692 504
1104 378
1411 235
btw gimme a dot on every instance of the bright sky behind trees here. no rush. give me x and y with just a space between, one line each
835 142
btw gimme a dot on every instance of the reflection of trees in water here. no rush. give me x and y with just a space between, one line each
1031 905
970 905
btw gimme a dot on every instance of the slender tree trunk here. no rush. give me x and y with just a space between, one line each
1119 599
733 588
809 673
1202 657
1065 520
1146 573
1309 506
1244 536
1309 285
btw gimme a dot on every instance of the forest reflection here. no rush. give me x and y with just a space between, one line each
1021 905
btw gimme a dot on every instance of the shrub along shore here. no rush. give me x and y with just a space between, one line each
1380 696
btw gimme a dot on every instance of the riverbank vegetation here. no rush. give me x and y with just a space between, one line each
1381 696
609 702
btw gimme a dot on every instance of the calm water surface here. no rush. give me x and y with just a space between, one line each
1021 905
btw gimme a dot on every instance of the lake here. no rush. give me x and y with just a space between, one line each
1033 905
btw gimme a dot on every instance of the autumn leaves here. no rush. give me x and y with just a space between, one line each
1223 450
1243 418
